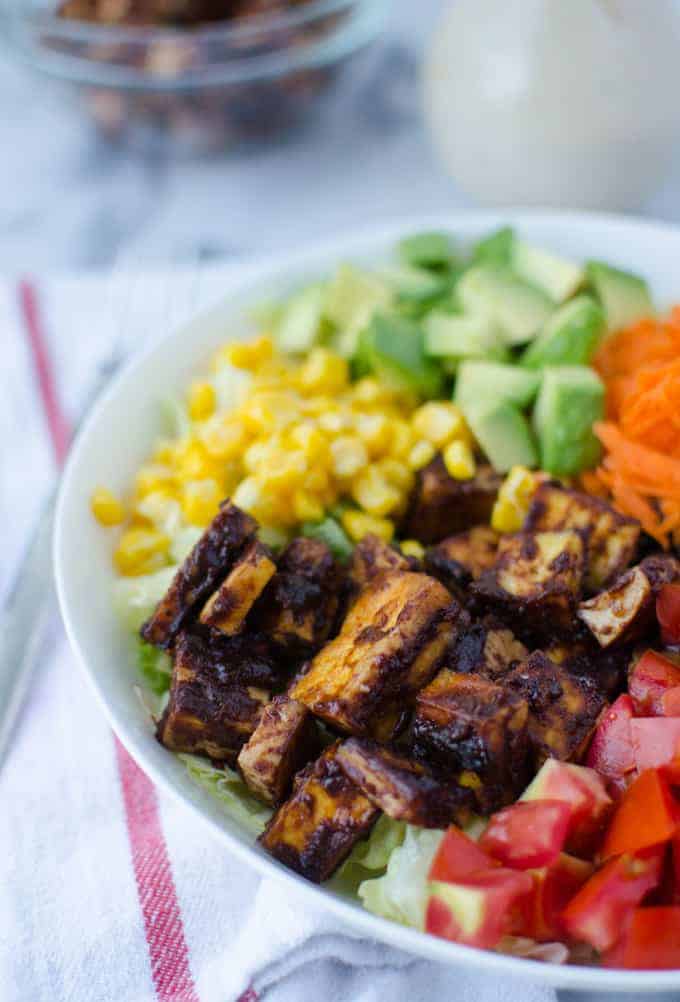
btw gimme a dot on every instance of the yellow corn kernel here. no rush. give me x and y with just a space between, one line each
164 454
265 412
334 422
358 524
317 480
248 355
514 498
258 454
397 473
247 494
349 456
369 392
412 548
373 493
312 442
421 454
307 508
459 460
153 477
283 473
469 779
141 551
224 440
375 431
402 439
317 405
200 501
201 401
323 372
439 422
106 507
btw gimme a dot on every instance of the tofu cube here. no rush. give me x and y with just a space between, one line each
472 729
315 830
371 557
462 558
441 506
487 648
227 608
284 740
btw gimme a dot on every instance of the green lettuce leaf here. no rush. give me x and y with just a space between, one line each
155 667
370 856
401 893
136 598
226 786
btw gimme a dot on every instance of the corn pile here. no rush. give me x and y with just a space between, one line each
514 499
300 439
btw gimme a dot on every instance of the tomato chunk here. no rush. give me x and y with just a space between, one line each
554 887
458 856
653 940
528 835
598 913
585 793
651 677
668 613
611 750
670 702
656 744
481 909
647 815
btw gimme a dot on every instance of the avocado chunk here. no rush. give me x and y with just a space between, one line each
496 292
300 325
393 349
351 299
426 250
571 398
625 297
416 285
496 249
478 383
503 433
452 336
557 277
570 336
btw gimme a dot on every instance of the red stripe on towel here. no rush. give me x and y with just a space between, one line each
168 952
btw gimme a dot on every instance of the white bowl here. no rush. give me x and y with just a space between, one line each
118 435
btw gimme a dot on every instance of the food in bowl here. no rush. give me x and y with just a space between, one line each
398 613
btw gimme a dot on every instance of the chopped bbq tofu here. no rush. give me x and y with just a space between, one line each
371 557
227 608
564 707
608 667
611 538
390 645
535 582
475 730
284 740
622 613
298 608
210 560
401 788
441 506
487 648
315 830
219 687
462 558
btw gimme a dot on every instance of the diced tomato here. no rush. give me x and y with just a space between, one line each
611 750
528 835
457 857
647 815
668 613
656 744
598 912
585 793
651 677
554 887
670 702
653 940
480 909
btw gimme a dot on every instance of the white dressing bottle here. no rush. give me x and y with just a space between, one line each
562 102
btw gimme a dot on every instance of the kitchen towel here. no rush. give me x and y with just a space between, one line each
108 889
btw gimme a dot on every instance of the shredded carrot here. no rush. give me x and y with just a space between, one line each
640 469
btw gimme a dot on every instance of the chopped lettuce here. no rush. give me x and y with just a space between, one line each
183 542
401 893
372 855
228 788
155 667
136 598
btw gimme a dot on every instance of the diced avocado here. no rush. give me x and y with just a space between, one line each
448 335
625 297
416 284
571 398
352 297
299 327
496 248
557 277
392 348
479 383
426 250
570 336
330 532
520 309
503 433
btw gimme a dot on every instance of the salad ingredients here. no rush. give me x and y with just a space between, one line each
611 752
529 835
668 613
647 815
651 677
584 793
653 940
570 400
401 893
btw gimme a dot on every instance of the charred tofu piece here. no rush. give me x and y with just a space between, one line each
607 668
227 608
475 730
285 739
390 645
563 707
487 648
298 608
372 557
535 582
611 538
623 612
403 789
462 558
441 506
315 830
219 688
212 557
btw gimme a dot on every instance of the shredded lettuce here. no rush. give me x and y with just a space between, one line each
183 542
370 857
136 598
155 667
228 788
401 893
